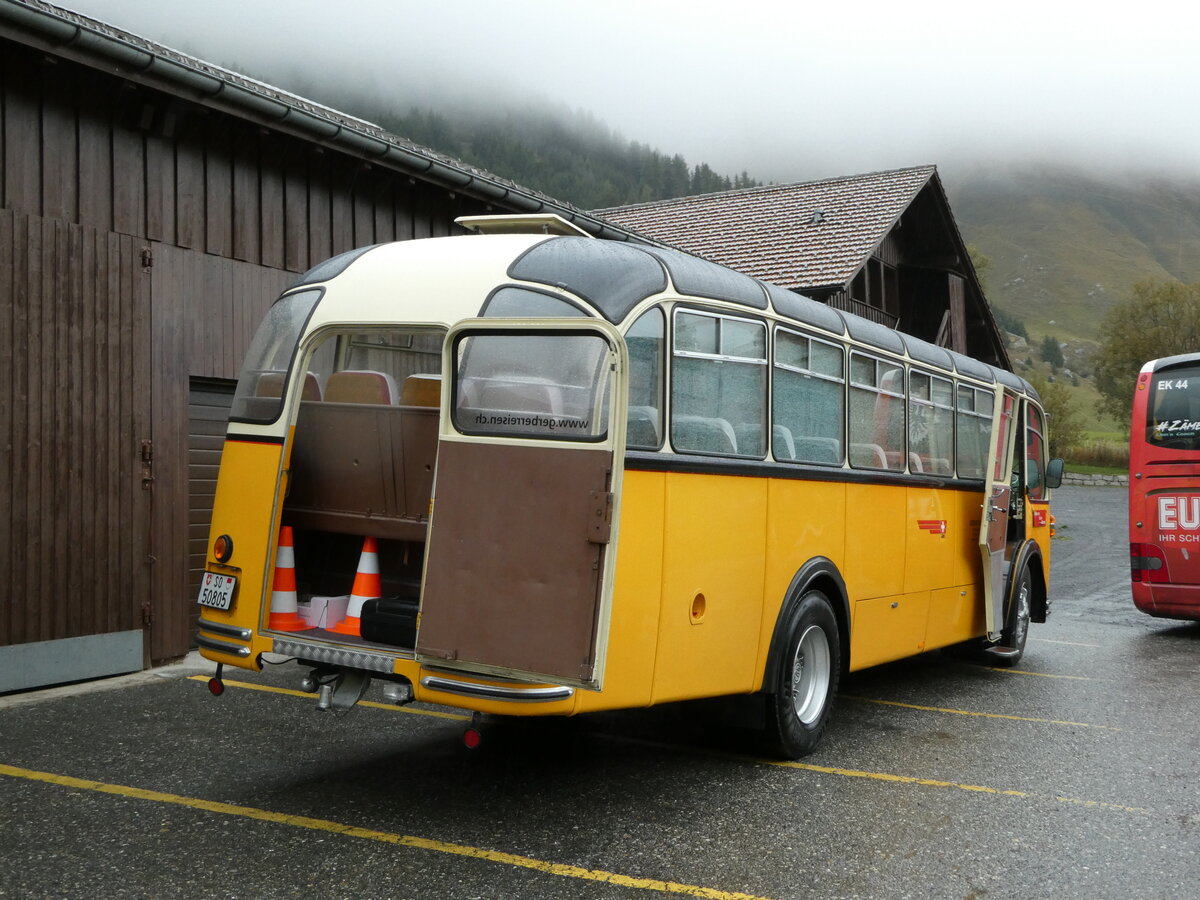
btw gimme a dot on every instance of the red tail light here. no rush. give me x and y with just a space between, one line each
1147 563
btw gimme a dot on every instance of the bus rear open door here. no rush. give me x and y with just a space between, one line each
519 563
993 524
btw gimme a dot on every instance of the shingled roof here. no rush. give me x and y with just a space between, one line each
805 236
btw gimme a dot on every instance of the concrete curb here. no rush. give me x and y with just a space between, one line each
192 664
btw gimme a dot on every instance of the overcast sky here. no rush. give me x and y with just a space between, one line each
785 90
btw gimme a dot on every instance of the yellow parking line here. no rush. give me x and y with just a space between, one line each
931 782
969 712
271 689
1040 674
404 840
827 770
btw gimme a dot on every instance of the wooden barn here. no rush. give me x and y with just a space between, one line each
883 246
151 207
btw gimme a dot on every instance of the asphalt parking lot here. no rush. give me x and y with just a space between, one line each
1076 774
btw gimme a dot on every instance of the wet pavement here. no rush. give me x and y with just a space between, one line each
1076 774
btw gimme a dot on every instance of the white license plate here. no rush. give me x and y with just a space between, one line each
216 590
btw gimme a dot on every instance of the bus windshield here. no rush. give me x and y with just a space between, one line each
1173 410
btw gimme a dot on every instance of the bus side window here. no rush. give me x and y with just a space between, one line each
973 424
645 340
808 408
876 412
930 423
719 384
1035 453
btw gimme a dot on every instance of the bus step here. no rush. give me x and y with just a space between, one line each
1000 652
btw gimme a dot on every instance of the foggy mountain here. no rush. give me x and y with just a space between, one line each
1064 242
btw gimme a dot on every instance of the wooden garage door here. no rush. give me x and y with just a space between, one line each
208 411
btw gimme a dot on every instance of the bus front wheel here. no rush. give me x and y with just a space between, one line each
799 707
1016 623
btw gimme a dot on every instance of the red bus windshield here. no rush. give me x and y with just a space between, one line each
1173 408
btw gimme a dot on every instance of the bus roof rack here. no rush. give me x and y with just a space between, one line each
541 223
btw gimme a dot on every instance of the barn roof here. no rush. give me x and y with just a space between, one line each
803 236
65 33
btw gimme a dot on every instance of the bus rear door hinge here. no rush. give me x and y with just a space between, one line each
147 614
600 517
147 257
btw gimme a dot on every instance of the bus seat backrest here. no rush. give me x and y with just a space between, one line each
938 465
704 434
361 386
270 384
914 463
642 429
870 455
782 444
749 438
819 449
527 395
421 390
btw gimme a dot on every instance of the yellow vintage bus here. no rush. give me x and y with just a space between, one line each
528 472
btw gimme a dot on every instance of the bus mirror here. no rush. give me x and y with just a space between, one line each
1054 473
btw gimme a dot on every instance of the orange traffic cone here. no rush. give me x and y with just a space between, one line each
284 615
366 587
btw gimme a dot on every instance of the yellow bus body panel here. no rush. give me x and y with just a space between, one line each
714 544
876 528
806 519
244 508
633 634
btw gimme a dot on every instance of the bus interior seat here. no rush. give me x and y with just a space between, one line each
642 428
868 455
782 444
421 390
361 386
749 438
532 395
270 384
820 450
704 434
914 463
936 465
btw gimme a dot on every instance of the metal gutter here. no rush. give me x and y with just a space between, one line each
91 42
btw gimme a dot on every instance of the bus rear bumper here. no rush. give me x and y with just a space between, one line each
1168 601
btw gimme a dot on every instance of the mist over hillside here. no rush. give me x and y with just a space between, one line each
1064 241
1065 244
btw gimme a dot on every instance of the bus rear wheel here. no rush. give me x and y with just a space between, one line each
799 707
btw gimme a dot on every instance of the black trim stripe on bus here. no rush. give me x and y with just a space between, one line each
255 439
757 468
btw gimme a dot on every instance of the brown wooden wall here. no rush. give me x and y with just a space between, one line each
75 371
142 237
207 338
93 149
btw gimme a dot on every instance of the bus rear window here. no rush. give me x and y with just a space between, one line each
259 396
1173 409
530 385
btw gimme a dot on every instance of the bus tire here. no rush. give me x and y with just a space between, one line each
801 700
1016 621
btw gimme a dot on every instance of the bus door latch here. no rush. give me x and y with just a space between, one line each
600 517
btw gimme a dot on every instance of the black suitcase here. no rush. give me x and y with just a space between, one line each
390 620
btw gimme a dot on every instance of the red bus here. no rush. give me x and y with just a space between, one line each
1164 488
